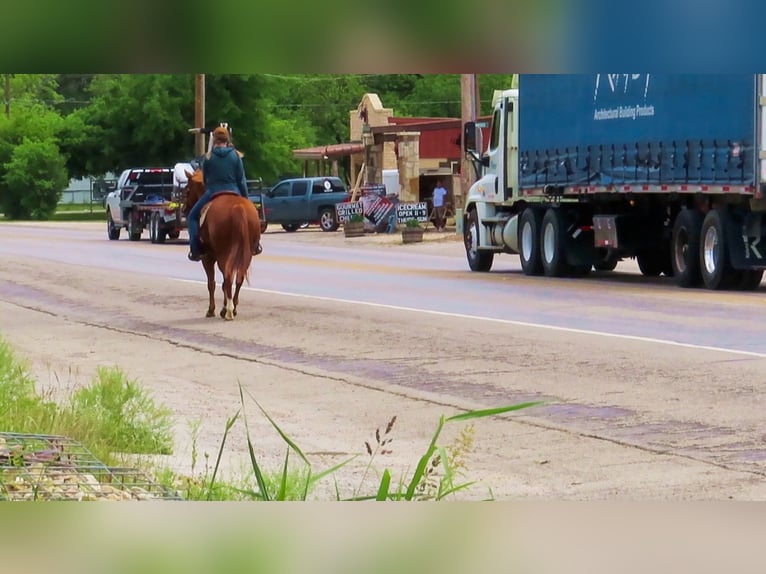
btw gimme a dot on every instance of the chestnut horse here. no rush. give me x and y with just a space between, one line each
229 227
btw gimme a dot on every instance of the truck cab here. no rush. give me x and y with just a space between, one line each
500 161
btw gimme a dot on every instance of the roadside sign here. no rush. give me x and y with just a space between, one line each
406 211
346 209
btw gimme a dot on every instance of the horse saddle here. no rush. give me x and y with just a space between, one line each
206 207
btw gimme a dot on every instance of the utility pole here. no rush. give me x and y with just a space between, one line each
7 95
469 90
199 114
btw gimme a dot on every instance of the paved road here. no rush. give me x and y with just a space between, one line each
650 391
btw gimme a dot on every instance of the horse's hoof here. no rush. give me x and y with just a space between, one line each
228 318
223 313
210 314
235 312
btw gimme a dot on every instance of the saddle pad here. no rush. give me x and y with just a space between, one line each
203 213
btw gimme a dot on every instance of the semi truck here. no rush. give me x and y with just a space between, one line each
582 171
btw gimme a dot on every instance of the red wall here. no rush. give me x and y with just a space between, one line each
440 143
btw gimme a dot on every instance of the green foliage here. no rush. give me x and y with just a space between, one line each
33 180
111 415
137 120
293 483
130 420
21 409
412 224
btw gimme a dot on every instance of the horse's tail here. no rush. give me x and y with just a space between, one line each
240 255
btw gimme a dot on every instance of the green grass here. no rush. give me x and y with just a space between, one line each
112 416
69 207
97 215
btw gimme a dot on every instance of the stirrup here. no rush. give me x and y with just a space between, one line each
258 250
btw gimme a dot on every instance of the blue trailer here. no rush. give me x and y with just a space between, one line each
582 171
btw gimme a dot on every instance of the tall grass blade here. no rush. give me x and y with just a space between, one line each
229 423
420 469
262 486
319 476
491 412
385 483
455 489
283 482
285 438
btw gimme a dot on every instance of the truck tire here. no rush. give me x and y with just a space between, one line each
606 260
156 232
112 231
153 228
715 263
134 231
685 248
553 243
174 234
477 260
530 223
290 227
650 262
328 221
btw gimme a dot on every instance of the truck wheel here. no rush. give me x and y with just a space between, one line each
290 227
134 230
607 261
477 260
175 234
530 223
686 248
112 231
650 262
715 265
553 244
156 232
153 228
327 220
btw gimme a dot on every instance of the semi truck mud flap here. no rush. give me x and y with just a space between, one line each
746 239
580 249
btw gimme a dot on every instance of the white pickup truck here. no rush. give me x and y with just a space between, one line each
147 198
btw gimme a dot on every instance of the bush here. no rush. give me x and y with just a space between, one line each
111 415
127 418
412 224
34 179
21 408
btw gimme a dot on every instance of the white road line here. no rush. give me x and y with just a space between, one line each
500 321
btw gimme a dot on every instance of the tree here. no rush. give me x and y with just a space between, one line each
135 120
33 180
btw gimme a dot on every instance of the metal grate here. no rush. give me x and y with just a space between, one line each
49 467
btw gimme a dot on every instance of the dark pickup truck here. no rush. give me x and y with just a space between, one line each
294 202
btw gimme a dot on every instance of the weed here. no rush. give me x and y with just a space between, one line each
113 414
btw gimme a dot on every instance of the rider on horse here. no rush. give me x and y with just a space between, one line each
222 170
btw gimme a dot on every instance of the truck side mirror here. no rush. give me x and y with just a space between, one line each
469 136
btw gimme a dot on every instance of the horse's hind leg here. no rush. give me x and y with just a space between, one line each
227 312
209 267
236 294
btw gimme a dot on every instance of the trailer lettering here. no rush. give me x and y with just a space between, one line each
751 247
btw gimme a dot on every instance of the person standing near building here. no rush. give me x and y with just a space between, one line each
439 200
